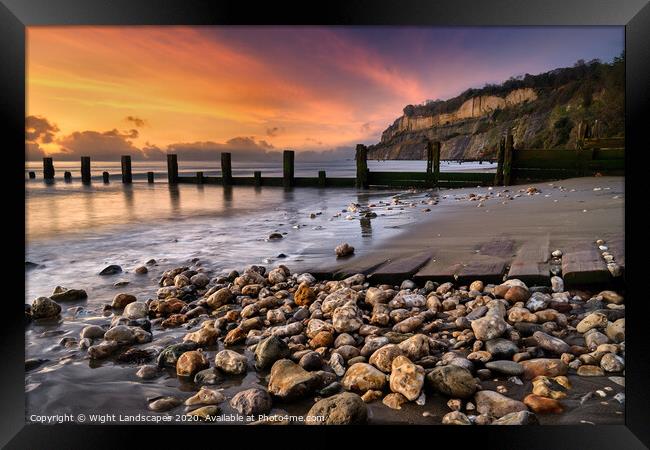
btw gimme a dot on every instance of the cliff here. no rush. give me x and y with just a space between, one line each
542 111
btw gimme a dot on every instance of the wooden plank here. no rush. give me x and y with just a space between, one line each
583 264
604 143
400 269
437 271
488 270
531 263
501 248
364 266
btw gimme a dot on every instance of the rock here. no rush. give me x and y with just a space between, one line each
409 325
147 372
375 295
615 331
347 352
121 334
311 361
394 400
554 388
230 362
200 280
289 381
322 339
551 343
189 363
205 336
477 286
274 236
444 288
164 404
208 376
141 270
276 276
207 413
557 284
362 377
111 270
416 347
593 320
496 405
407 284
44 308
343 250
501 348
269 351
103 349
456 418
252 402
543 366
518 418
341 409
206 396
517 314
452 381
505 367
517 294
611 297
556 254
306 278
587 370
538 301
595 338
489 327
371 396
383 357
121 300
92 332
169 356
346 319
136 310
543 405
337 364
219 298
406 378
68 295
304 295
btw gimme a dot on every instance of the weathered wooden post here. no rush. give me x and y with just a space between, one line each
127 177
48 169
149 177
287 168
67 176
85 169
105 177
362 166
32 175
507 160
257 175
429 178
226 169
199 178
501 149
322 178
172 168
436 162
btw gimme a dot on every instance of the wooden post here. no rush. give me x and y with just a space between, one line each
362 166
287 168
507 160
322 178
149 177
436 162
67 176
32 175
85 169
172 168
581 155
105 177
127 177
48 169
226 169
199 178
501 150
257 175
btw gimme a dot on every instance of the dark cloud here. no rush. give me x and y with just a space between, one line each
272 131
99 145
365 127
246 148
38 130
138 122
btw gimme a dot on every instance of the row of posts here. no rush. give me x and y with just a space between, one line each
127 175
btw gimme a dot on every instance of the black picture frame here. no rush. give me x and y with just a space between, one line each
15 15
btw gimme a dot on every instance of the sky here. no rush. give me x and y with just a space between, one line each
200 90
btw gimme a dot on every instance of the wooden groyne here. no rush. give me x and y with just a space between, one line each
591 156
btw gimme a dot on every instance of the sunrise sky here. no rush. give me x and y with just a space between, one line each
106 91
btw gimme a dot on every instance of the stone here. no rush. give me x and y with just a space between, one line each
276 276
207 335
62 294
92 332
587 370
408 325
489 327
554 388
371 396
111 270
274 236
253 401
543 405
207 413
121 334
444 288
501 348
517 294
342 409
322 339
557 284
346 319
141 270
497 405
230 362
344 250
452 381
518 418
415 347
306 278
394 400
208 376
477 286
543 366
121 300
45 308
611 297
103 349
517 314
593 320
383 357
505 367
551 343
189 363
337 363
362 377
347 352
169 355
595 338
311 361
200 280
375 295
206 396
289 381
304 295
538 301
406 378
164 404
615 331
219 298
147 372
136 310
456 418
269 351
